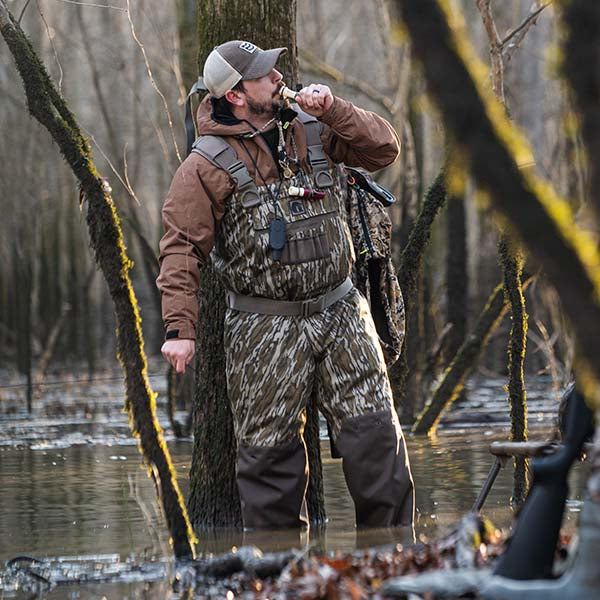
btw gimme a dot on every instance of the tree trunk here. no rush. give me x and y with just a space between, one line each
268 24
456 276
408 273
214 500
512 267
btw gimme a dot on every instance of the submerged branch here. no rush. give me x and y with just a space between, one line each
50 109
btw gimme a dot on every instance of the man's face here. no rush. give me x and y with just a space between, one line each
262 94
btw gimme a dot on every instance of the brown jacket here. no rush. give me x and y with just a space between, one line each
195 202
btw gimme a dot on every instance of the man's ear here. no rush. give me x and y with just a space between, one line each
234 98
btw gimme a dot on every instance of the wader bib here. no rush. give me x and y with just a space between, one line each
294 323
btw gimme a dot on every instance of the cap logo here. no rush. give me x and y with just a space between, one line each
248 47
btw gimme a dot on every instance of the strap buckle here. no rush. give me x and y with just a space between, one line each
312 306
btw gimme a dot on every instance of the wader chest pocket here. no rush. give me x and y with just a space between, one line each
306 240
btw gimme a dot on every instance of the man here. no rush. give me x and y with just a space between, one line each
268 208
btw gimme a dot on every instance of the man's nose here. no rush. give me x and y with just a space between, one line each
276 76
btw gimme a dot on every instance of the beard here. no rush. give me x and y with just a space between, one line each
264 109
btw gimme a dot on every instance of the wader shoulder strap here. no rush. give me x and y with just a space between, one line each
316 155
219 153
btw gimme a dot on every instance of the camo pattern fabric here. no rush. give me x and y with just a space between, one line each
377 221
373 273
274 363
318 253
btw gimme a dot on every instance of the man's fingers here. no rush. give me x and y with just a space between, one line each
178 353
315 99
180 364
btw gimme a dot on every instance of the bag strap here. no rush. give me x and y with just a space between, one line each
220 153
316 154
190 127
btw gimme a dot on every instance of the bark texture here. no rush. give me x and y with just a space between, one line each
512 268
511 261
49 108
214 499
456 274
408 276
543 222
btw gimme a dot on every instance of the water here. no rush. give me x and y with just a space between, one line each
72 488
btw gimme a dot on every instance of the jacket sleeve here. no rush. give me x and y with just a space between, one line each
358 137
192 209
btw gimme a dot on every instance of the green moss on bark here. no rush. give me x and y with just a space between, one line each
512 267
408 275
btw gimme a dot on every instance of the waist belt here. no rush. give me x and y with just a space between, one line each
300 308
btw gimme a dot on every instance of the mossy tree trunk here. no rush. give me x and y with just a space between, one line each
49 108
512 267
408 278
214 499
456 276
511 260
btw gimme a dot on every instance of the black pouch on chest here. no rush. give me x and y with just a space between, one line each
277 237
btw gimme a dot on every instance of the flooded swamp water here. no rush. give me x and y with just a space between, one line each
73 491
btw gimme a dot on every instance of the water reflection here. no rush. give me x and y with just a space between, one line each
83 499
69 501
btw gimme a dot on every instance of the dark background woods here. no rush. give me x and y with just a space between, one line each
55 313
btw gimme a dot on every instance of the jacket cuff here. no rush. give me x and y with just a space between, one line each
180 332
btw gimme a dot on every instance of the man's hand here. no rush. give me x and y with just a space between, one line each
315 99
179 353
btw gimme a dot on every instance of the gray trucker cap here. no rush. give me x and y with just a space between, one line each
233 61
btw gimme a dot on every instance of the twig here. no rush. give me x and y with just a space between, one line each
124 183
23 11
126 176
527 23
497 73
152 80
48 352
546 344
93 5
60 78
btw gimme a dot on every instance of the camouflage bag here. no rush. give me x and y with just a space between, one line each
373 272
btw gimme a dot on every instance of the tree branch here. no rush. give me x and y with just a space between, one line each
521 30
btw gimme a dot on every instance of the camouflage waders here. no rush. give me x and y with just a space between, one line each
275 360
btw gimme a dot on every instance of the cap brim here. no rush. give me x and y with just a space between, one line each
263 63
